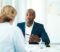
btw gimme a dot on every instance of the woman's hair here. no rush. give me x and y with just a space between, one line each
7 13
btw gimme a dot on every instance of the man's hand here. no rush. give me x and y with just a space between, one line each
34 38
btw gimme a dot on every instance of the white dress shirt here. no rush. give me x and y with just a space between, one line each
11 38
28 31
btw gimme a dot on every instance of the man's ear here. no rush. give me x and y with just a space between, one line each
34 17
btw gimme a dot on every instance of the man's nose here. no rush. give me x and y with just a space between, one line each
28 17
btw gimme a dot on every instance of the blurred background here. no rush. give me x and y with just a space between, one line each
47 13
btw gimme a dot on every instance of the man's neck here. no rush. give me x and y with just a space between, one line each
29 24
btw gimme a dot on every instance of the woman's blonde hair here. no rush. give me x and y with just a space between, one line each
7 13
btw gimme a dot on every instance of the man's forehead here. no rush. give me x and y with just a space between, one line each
30 11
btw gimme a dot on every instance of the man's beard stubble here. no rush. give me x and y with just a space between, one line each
29 21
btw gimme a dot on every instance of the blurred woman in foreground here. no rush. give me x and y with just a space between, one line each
11 39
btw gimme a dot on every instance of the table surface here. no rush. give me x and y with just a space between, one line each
42 48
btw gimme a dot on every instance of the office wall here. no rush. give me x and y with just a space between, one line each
53 20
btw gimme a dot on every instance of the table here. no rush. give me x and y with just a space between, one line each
39 48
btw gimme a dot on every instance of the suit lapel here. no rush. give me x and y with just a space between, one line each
33 29
24 29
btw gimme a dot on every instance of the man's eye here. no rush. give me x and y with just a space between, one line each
31 15
27 15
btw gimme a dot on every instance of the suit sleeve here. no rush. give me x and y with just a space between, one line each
44 36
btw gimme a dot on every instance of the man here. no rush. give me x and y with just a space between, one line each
32 30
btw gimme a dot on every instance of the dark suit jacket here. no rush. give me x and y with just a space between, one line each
38 30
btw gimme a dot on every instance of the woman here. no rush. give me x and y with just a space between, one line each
11 39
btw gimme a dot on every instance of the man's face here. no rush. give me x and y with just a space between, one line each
30 16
